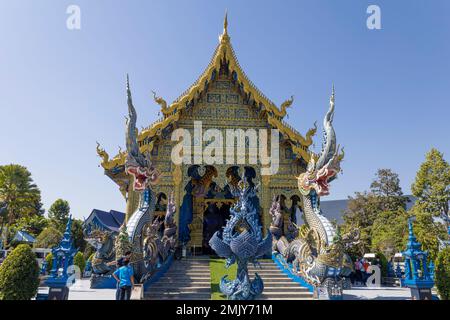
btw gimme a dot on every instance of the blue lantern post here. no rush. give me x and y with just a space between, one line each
62 258
417 275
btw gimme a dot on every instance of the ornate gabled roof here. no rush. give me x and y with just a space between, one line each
223 53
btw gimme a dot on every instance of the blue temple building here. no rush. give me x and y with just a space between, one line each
103 220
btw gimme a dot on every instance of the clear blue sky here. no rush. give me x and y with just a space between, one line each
62 90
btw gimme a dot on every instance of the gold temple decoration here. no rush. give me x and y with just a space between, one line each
224 52
161 102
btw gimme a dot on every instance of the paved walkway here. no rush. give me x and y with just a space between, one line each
81 291
383 293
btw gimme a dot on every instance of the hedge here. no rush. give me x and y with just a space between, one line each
19 274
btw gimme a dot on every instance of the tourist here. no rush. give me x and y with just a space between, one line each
358 273
119 263
125 278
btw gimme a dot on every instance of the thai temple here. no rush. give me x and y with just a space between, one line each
223 97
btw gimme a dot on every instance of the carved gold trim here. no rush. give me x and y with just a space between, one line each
275 115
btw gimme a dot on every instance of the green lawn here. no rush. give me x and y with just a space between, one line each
218 270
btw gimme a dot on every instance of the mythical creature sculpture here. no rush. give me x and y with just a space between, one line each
156 249
318 253
160 101
137 164
240 242
122 243
286 105
170 228
152 247
104 257
276 226
102 153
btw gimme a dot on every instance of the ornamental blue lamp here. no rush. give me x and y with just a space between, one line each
63 254
417 275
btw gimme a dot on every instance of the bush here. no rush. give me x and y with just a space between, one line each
19 275
383 263
88 251
442 274
49 238
79 261
49 260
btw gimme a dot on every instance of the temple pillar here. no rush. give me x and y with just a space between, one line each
177 177
265 203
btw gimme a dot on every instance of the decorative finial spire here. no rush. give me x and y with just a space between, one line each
225 23
224 37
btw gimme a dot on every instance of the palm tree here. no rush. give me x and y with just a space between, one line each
19 194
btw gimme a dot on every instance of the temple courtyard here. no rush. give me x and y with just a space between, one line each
81 291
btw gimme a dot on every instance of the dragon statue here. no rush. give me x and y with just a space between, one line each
150 247
137 164
240 242
102 153
286 104
161 102
156 249
104 257
317 254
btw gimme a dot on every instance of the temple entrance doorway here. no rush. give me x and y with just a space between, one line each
214 219
206 205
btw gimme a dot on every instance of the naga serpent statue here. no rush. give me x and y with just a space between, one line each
241 241
104 257
156 249
317 254
150 247
137 164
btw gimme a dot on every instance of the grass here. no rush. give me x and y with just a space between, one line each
218 270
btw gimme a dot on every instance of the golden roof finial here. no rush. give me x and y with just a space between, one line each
224 36
225 23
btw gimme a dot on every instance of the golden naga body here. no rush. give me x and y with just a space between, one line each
285 105
102 153
161 102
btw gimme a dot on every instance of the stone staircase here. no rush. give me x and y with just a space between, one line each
187 279
277 285
190 279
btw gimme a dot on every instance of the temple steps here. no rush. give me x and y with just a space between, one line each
188 279
277 285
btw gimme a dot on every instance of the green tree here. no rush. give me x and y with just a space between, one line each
49 260
386 187
49 238
19 193
59 213
77 235
390 232
360 214
432 185
32 225
427 231
363 209
431 188
442 274
19 275
88 251
79 261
